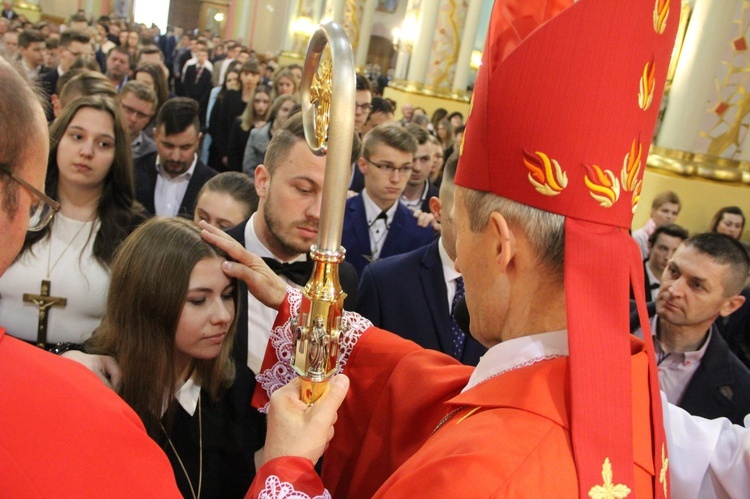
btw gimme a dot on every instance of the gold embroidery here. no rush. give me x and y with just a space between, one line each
321 95
603 184
661 13
545 174
646 86
469 414
664 468
607 490
631 169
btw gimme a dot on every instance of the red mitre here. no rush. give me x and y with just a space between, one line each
561 119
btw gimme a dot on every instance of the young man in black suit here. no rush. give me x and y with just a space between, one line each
196 80
168 180
421 307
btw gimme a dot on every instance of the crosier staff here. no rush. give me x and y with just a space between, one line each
328 90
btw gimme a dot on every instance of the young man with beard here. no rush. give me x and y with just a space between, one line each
168 180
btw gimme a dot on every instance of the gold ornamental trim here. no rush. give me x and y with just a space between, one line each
703 166
414 87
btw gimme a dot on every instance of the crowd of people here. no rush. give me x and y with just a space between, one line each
170 236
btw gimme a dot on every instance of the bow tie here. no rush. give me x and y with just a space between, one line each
297 272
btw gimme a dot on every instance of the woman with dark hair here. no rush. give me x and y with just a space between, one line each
257 143
730 221
152 74
170 324
226 200
254 116
231 106
231 82
90 173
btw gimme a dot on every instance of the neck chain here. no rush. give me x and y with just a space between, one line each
51 267
200 454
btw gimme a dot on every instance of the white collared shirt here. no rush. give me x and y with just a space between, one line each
170 191
260 318
653 280
519 352
416 204
378 228
187 395
449 272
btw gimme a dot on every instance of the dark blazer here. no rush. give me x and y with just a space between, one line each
406 295
735 329
431 191
347 278
720 386
145 184
403 235
198 90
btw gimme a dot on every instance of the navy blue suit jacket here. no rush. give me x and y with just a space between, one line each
145 185
403 235
406 295
720 386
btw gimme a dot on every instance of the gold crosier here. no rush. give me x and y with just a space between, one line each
327 91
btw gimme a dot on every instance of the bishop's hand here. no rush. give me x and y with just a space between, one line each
261 281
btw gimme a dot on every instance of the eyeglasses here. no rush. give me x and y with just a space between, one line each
365 108
390 169
129 110
41 212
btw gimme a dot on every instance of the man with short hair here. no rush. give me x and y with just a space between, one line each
407 111
664 210
196 80
56 416
118 66
423 305
31 48
10 44
73 43
419 189
662 244
220 68
702 282
381 112
138 102
168 180
376 224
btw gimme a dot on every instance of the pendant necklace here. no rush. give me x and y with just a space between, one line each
51 266
200 454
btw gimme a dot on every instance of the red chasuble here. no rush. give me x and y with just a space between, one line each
406 430
65 434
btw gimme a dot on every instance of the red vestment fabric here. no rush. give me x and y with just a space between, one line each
508 437
65 434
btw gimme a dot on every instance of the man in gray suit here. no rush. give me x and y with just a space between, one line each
138 102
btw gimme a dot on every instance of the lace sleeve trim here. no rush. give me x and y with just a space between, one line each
276 489
282 341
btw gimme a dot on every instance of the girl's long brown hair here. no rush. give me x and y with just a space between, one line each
149 285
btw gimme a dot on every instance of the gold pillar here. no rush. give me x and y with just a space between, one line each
446 44
303 23
353 14
704 132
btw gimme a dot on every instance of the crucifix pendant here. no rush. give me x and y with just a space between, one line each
44 301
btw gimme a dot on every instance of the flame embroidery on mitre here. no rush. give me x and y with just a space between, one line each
647 85
545 174
631 169
603 184
661 13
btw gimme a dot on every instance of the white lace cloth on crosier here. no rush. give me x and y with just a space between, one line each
276 489
282 340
